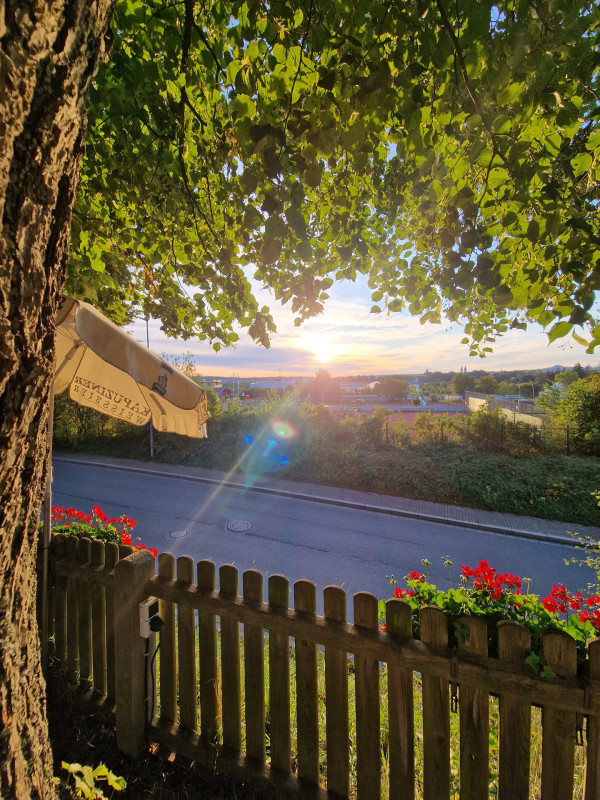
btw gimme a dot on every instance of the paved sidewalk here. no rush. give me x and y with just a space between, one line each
510 524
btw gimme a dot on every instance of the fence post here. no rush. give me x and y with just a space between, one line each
568 443
132 664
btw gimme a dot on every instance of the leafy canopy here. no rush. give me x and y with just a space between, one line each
448 151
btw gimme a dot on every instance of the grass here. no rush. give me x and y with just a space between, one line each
557 487
81 733
88 738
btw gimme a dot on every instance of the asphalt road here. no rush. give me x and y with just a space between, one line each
327 544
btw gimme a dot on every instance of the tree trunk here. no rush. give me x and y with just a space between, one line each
49 53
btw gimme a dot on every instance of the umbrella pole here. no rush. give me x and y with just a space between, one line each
46 534
150 431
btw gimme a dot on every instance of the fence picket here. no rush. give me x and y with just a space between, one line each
254 671
336 694
514 644
592 773
436 713
398 623
168 651
279 681
474 719
186 649
368 758
558 727
83 630
207 646
111 557
230 665
85 616
305 602
72 614
59 544
98 622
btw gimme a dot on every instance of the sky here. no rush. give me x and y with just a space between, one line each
348 340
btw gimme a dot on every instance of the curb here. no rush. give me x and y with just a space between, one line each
397 512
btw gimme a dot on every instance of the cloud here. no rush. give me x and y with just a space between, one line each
363 343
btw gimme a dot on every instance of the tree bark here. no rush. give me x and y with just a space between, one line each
49 52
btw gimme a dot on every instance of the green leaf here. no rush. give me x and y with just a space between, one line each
312 176
533 231
559 330
581 163
580 340
271 250
510 93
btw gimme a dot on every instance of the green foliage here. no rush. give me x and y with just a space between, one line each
567 377
591 548
483 592
463 382
488 384
85 780
215 409
452 460
394 388
579 408
324 389
447 151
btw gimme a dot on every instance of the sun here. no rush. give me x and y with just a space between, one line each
323 348
326 353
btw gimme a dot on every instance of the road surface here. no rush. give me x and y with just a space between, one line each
325 543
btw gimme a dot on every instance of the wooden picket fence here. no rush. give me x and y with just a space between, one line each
226 697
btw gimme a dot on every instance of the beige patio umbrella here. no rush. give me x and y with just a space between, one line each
105 368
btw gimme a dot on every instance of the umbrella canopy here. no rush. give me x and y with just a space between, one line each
106 369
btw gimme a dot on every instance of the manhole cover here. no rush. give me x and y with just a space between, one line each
180 534
239 526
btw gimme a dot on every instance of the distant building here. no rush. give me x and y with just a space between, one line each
351 386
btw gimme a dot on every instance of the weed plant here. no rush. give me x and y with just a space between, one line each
464 466
89 739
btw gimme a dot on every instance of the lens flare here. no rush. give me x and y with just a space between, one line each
271 449
283 429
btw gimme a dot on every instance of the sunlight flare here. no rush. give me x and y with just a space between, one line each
322 346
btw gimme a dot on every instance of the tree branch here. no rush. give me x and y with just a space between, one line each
185 49
465 76
302 43
202 35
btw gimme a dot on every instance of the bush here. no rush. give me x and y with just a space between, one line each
309 442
